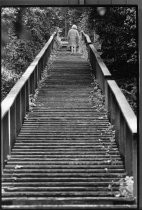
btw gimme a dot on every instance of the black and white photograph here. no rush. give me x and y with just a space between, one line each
70 104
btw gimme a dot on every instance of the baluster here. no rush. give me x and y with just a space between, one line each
12 124
39 69
35 78
27 94
32 83
18 113
122 136
5 138
134 163
23 103
128 152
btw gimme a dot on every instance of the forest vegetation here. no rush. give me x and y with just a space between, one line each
25 30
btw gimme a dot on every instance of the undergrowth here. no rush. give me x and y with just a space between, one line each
8 80
129 89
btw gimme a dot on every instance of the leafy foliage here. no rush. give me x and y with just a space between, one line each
126 186
117 34
129 89
25 30
8 79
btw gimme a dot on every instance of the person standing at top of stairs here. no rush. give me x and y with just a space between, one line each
73 38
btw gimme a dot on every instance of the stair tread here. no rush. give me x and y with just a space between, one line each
71 206
65 155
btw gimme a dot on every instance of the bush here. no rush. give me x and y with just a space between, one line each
118 39
8 79
117 32
24 32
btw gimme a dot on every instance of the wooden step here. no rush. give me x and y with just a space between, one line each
65 156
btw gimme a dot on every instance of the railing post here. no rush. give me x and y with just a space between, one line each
23 103
32 83
5 138
115 119
128 152
45 59
117 124
48 53
43 62
38 74
122 136
35 78
134 164
2 155
94 64
106 96
39 69
12 124
27 85
110 107
18 114
90 57
9 132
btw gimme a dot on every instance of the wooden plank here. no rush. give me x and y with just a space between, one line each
39 2
5 140
72 2
91 2
120 2
40 161
115 2
66 2
2 157
102 65
124 106
12 124
75 206
105 2
133 2
81 2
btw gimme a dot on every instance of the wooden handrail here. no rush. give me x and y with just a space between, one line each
102 65
120 113
86 37
124 120
16 104
9 100
101 71
124 106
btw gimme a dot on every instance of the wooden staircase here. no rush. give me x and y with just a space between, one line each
65 156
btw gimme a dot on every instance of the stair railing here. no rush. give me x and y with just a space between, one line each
120 113
16 103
